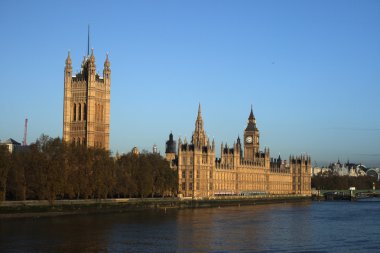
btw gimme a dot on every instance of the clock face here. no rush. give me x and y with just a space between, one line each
248 139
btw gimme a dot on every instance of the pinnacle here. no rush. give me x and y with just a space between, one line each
251 116
68 59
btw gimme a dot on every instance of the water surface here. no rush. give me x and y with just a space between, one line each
300 227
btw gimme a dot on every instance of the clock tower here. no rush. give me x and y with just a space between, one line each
251 138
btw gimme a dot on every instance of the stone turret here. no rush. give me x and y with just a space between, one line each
86 116
199 138
170 150
251 139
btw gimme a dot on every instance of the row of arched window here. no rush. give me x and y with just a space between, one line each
82 141
79 140
79 111
98 144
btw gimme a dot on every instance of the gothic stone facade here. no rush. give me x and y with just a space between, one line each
86 111
201 174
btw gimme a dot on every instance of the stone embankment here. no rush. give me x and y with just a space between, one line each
42 208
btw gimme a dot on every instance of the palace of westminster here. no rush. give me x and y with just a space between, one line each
242 169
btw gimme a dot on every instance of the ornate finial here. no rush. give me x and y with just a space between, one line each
107 62
84 61
171 136
68 59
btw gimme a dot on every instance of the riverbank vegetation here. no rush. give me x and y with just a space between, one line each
331 181
51 169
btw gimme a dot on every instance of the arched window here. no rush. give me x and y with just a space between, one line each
74 140
79 112
101 113
75 113
84 111
96 112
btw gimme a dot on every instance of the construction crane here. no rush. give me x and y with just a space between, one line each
25 132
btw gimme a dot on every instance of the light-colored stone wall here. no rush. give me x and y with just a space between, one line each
86 116
201 175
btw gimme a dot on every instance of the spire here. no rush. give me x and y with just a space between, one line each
107 62
251 116
251 126
199 121
199 111
68 59
88 41
171 136
199 138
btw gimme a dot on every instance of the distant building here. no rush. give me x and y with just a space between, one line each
201 174
347 169
135 151
86 110
155 149
11 144
320 171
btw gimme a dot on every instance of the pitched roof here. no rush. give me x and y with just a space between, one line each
11 141
251 126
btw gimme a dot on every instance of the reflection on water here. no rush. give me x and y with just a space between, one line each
301 227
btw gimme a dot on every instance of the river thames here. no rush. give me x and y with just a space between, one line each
292 227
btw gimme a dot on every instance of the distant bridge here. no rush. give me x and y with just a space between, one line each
346 194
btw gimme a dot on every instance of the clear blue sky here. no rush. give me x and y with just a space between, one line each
311 70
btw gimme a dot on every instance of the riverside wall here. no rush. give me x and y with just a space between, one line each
41 208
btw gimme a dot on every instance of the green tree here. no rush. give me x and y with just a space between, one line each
16 185
4 168
125 183
103 173
54 152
